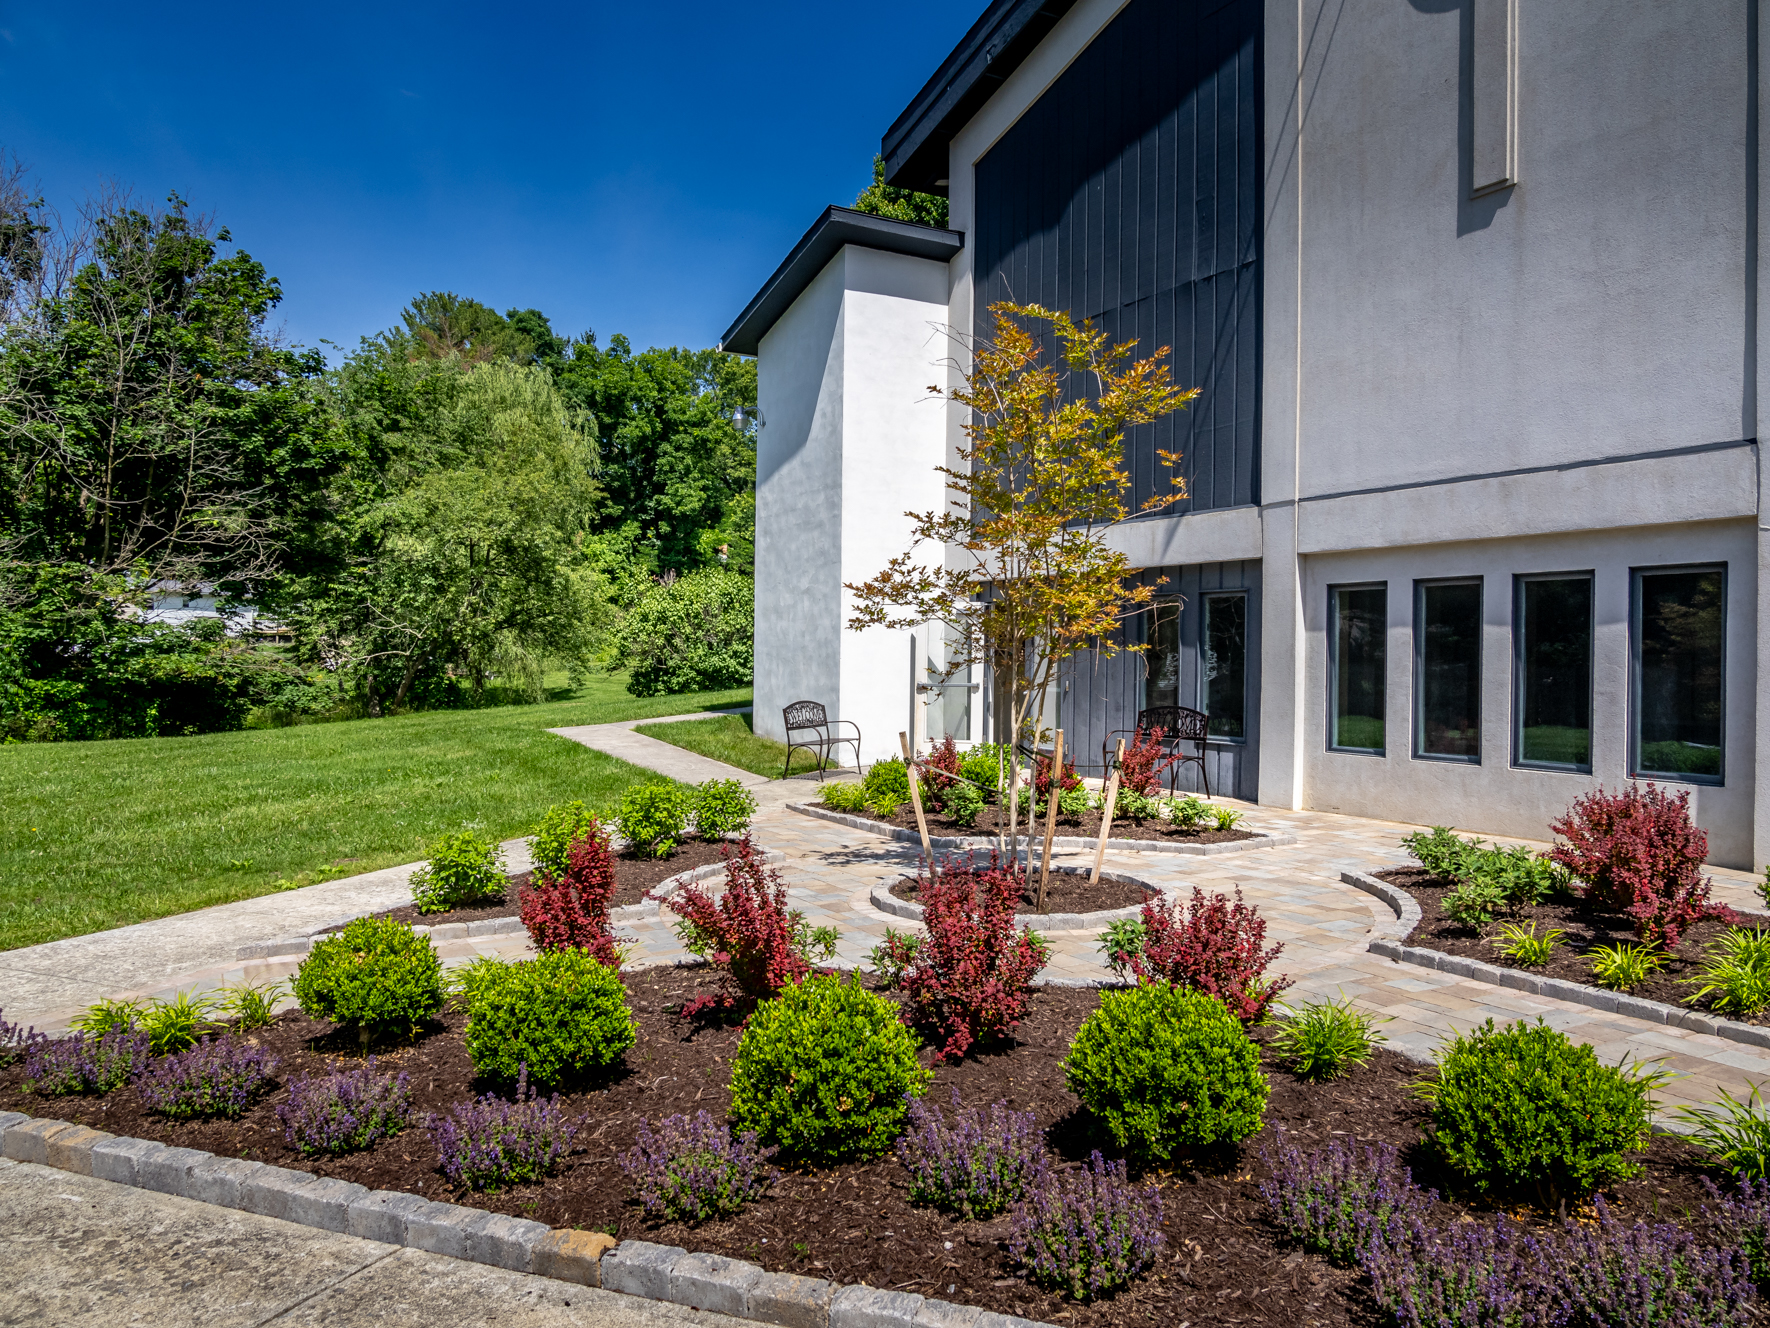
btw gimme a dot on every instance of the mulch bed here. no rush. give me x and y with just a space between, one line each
1086 827
1221 1264
1065 892
1585 928
635 877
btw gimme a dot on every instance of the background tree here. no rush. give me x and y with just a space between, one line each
1040 483
883 200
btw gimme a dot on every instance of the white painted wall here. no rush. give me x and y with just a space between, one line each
851 442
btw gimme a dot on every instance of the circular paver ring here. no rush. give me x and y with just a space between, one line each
886 902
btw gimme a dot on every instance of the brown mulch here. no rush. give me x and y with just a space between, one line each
991 820
635 877
1065 892
1586 927
1221 1264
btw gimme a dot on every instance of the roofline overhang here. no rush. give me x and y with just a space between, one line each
836 228
915 147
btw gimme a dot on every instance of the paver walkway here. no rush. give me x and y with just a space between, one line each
830 870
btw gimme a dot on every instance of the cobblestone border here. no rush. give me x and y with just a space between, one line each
886 902
285 946
1575 993
1261 839
588 1258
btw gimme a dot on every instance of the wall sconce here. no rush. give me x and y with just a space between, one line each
743 418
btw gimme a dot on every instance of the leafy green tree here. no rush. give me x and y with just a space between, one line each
690 634
883 200
440 325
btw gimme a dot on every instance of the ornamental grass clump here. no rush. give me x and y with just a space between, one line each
1522 1110
826 1071
377 976
463 868
491 1142
1734 1134
1625 967
1325 1040
1524 947
1639 853
1210 946
558 1016
219 1076
1088 1232
693 1170
1735 973
1165 1070
82 1063
568 909
969 979
345 1109
1334 1201
975 1165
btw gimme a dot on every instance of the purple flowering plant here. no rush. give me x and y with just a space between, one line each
1743 1219
15 1040
975 1166
492 1142
81 1063
217 1076
1089 1232
692 1169
345 1109
1335 1200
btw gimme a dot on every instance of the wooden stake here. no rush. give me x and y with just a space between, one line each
1050 816
909 761
1112 796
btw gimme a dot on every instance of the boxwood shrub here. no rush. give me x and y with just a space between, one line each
377 976
1164 1068
560 1013
826 1071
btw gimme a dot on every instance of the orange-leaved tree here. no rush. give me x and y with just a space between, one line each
1018 564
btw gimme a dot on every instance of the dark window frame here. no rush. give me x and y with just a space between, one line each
1419 706
1204 637
1333 667
1519 581
1634 721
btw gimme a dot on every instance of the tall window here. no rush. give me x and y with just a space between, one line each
1226 664
1678 633
1552 632
1163 656
1447 670
1356 638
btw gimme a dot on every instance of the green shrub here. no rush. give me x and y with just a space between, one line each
1522 1110
1163 1068
1474 904
1188 812
1225 818
1075 802
696 634
654 817
560 1013
964 805
722 807
1134 806
843 797
561 826
1442 853
887 783
1327 1039
1735 972
986 765
826 1070
376 976
464 868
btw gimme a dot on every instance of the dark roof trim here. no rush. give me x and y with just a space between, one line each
838 226
915 147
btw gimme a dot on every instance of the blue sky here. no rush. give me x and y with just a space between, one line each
636 168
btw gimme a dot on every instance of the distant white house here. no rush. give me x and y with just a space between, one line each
1473 292
180 605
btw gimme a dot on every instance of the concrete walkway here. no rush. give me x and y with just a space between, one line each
676 762
87 1252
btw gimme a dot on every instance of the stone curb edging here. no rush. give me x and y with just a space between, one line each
1261 838
886 902
287 946
588 1258
1560 989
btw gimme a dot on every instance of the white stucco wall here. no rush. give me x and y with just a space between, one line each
851 441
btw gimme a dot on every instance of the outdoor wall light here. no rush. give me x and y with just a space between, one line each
743 417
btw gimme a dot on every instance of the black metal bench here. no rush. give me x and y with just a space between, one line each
810 728
1179 724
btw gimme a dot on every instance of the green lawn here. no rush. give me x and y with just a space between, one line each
729 739
100 834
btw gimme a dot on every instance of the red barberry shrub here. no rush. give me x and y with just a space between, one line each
570 912
1639 853
939 769
1142 766
1042 777
748 933
1211 946
968 980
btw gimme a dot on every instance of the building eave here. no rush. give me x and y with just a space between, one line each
838 226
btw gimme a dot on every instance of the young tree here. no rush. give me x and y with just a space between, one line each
1021 568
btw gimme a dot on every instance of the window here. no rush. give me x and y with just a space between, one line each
1552 633
1162 659
1678 632
1225 665
1356 637
1447 670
